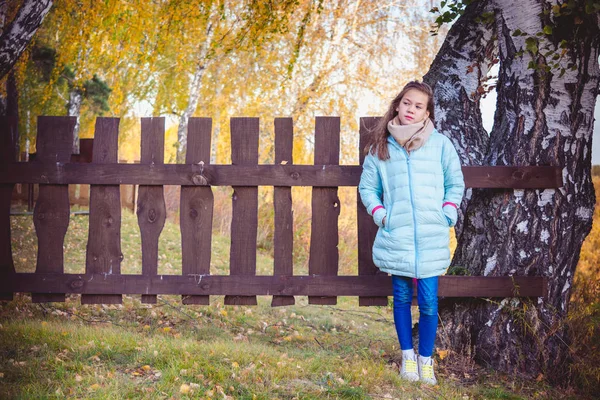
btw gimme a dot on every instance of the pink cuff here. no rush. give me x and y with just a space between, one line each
449 204
375 209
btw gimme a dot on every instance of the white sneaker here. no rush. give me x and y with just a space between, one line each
409 369
426 370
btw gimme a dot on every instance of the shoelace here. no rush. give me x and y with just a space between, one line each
427 371
410 366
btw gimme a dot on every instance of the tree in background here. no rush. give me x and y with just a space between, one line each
25 19
547 86
94 51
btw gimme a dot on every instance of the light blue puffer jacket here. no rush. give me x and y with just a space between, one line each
413 190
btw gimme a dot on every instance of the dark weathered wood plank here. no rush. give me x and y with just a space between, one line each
244 218
86 150
196 208
366 227
283 236
151 209
326 205
51 213
8 138
263 285
103 252
6 259
499 177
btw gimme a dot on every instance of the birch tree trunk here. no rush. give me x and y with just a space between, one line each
456 75
194 96
542 118
188 112
73 110
18 34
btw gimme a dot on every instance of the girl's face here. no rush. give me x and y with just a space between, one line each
413 107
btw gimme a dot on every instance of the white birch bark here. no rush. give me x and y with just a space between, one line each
194 95
18 34
73 110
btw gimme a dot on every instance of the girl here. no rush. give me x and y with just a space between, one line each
412 185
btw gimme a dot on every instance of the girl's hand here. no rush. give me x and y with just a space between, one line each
383 221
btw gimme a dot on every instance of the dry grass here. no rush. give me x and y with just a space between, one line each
584 311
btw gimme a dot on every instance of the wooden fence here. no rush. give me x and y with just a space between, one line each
78 194
103 282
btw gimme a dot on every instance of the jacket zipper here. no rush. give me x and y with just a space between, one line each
412 204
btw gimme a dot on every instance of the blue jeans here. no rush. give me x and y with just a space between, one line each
427 296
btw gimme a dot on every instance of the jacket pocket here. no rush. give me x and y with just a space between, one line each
387 226
443 217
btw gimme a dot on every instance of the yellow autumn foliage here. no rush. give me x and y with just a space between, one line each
584 310
588 268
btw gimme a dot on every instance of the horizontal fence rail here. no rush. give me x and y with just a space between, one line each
53 168
253 175
340 285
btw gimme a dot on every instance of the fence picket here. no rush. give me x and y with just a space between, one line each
283 237
8 136
103 252
196 208
51 212
366 228
325 208
244 216
151 209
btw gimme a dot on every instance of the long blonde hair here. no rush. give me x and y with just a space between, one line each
377 142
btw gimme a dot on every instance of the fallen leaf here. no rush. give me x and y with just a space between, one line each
184 389
539 378
443 354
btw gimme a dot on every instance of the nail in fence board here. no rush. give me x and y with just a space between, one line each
366 227
8 136
196 208
244 218
324 255
51 212
151 209
103 253
283 238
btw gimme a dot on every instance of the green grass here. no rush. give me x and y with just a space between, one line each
167 350
24 246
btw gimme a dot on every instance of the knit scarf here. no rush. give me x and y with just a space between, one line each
412 136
